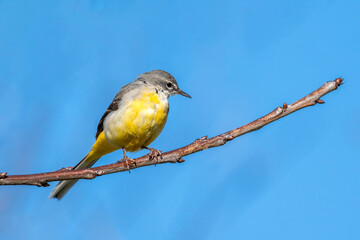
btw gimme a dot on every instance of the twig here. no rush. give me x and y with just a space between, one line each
42 179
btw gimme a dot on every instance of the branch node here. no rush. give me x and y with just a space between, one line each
99 173
43 183
201 139
180 160
319 101
339 81
229 137
64 169
279 110
285 106
3 175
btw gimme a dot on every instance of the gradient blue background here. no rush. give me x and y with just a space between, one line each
61 63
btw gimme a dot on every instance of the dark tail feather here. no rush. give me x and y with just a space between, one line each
64 186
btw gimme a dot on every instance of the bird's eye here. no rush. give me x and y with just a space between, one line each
169 85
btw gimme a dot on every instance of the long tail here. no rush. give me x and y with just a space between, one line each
64 186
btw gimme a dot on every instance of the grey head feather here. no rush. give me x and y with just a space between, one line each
161 80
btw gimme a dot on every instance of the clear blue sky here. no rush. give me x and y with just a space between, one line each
61 63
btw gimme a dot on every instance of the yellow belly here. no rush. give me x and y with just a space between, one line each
138 123
100 148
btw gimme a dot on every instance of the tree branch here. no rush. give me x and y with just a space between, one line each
42 179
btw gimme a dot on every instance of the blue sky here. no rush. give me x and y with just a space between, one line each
61 63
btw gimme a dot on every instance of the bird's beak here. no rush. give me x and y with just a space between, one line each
181 92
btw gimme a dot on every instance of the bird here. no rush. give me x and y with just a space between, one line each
133 120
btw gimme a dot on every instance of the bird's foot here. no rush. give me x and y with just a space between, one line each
154 154
128 162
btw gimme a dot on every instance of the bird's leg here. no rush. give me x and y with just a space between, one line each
154 154
128 160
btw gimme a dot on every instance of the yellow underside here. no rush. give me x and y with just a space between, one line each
100 148
133 127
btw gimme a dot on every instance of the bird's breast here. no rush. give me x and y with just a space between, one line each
138 121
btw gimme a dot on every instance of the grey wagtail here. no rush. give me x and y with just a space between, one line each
134 119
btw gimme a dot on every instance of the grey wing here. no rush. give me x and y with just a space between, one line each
114 105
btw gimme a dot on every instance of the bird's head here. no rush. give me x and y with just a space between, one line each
162 81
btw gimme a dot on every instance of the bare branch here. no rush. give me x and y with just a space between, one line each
42 179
